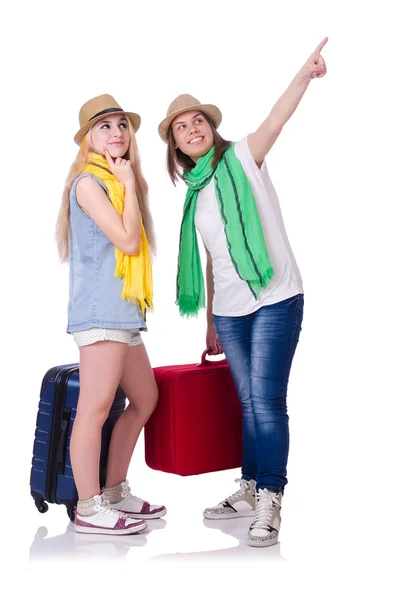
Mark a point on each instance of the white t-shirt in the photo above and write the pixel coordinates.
(232, 296)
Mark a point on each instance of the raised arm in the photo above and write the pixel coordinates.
(263, 139)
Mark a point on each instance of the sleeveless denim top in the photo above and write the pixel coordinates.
(94, 290)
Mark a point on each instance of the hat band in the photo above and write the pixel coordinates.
(106, 112)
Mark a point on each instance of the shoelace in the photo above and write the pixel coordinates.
(128, 493)
(105, 507)
(136, 498)
(240, 492)
(264, 509)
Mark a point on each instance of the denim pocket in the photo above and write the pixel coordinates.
(294, 309)
(298, 299)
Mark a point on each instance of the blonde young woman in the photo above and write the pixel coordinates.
(254, 288)
(105, 231)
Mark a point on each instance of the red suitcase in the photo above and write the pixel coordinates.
(196, 427)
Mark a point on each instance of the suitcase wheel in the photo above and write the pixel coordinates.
(42, 507)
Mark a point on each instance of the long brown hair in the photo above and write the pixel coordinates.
(132, 154)
(178, 162)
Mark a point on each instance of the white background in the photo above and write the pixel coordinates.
(334, 169)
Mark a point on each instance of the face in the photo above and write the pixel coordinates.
(111, 133)
(192, 134)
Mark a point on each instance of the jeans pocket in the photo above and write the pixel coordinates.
(294, 306)
(298, 299)
(299, 310)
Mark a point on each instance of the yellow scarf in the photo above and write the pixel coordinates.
(136, 271)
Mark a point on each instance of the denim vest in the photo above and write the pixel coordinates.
(94, 290)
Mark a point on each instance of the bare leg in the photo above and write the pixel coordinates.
(140, 387)
(101, 366)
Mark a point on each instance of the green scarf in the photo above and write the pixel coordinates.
(243, 230)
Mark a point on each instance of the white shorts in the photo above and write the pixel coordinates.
(132, 337)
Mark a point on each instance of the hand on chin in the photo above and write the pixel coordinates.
(116, 151)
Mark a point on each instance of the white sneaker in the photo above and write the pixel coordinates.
(239, 504)
(136, 507)
(107, 520)
(266, 524)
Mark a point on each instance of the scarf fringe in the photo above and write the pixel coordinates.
(266, 276)
(188, 306)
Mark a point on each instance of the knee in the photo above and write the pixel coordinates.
(95, 410)
(246, 405)
(150, 404)
(270, 408)
(143, 408)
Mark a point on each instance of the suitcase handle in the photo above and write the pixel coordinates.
(61, 450)
(204, 360)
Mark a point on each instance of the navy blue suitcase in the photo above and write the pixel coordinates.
(51, 478)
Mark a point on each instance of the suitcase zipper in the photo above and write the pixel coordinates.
(57, 431)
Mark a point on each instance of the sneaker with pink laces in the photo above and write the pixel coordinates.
(120, 498)
(107, 520)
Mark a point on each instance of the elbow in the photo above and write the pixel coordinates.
(129, 245)
(132, 248)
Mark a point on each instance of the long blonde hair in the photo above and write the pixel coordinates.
(141, 187)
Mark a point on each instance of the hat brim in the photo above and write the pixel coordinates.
(133, 117)
(208, 109)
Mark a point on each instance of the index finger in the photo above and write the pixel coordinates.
(320, 46)
(108, 157)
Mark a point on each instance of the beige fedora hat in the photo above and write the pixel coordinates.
(96, 109)
(184, 103)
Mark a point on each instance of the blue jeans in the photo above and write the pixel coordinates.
(259, 349)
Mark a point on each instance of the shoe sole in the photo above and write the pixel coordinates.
(146, 516)
(262, 544)
(244, 513)
(101, 530)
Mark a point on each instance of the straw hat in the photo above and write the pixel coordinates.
(185, 103)
(96, 109)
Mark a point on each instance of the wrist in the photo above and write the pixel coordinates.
(303, 76)
(129, 185)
